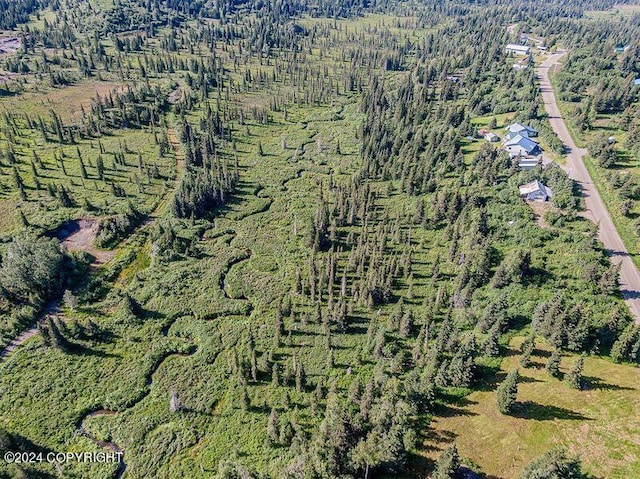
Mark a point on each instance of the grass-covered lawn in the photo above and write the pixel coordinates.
(598, 424)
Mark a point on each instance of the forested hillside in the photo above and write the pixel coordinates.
(264, 239)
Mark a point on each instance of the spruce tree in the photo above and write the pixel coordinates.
(100, 167)
(301, 378)
(448, 464)
(507, 393)
(491, 346)
(245, 402)
(273, 429)
(574, 377)
(526, 349)
(553, 464)
(553, 364)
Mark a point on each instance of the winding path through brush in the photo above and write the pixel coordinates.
(108, 412)
(595, 208)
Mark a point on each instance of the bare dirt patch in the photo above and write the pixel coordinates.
(71, 100)
(80, 235)
(175, 96)
(539, 209)
(9, 45)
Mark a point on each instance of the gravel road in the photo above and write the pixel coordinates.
(595, 208)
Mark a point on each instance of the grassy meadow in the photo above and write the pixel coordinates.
(596, 424)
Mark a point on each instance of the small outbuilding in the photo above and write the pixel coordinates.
(526, 164)
(492, 137)
(535, 191)
(515, 49)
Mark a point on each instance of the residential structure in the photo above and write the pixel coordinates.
(526, 164)
(522, 146)
(523, 130)
(515, 49)
(519, 142)
(535, 191)
(510, 135)
(492, 137)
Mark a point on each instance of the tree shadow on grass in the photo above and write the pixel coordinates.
(541, 353)
(527, 379)
(542, 412)
(597, 383)
(488, 377)
(533, 364)
(417, 464)
(82, 350)
(437, 440)
(454, 406)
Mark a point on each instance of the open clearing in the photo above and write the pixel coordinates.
(598, 424)
(618, 11)
(67, 102)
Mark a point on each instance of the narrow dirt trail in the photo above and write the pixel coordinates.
(174, 142)
(51, 310)
(595, 208)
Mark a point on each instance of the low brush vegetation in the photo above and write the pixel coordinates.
(311, 256)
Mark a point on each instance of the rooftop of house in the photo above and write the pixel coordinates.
(534, 187)
(514, 46)
(526, 130)
(523, 141)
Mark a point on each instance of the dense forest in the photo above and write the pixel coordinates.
(265, 239)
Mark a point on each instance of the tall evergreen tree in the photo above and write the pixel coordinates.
(507, 393)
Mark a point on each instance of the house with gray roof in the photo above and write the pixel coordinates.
(535, 191)
(515, 49)
(522, 146)
(522, 129)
